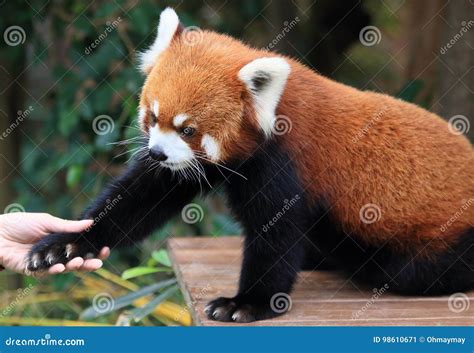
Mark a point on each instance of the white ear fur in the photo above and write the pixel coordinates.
(169, 23)
(266, 79)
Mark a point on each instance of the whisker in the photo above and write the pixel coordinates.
(220, 165)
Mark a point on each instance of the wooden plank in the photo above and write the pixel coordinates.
(209, 267)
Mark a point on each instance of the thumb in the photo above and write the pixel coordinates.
(59, 225)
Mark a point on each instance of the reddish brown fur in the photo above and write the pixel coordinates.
(408, 163)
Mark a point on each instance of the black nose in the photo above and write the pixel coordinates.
(157, 154)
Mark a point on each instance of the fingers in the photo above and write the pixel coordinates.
(92, 265)
(56, 269)
(59, 225)
(104, 253)
(76, 264)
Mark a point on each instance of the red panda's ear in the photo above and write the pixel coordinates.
(265, 79)
(168, 28)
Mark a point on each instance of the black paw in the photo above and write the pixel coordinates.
(239, 310)
(59, 248)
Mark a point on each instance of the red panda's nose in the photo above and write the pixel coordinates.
(157, 154)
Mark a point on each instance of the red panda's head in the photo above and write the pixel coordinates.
(206, 95)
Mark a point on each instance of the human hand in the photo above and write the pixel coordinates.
(19, 231)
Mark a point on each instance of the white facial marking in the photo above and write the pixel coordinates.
(156, 108)
(141, 117)
(179, 119)
(167, 27)
(211, 146)
(172, 145)
(275, 70)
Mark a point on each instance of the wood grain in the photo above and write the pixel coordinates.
(209, 267)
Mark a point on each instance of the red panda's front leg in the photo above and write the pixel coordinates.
(129, 209)
(271, 207)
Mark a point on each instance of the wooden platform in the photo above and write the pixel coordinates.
(209, 267)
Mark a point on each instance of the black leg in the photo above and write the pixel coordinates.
(272, 209)
(128, 210)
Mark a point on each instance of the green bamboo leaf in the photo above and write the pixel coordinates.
(123, 301)
(140, 313)
(161, 256)
(141, 271)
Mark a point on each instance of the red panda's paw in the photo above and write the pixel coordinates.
(238, 310)
(59, 248)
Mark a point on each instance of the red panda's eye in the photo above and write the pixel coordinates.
(187, 131)
(153, 119)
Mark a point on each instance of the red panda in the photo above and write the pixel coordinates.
(319, 174)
